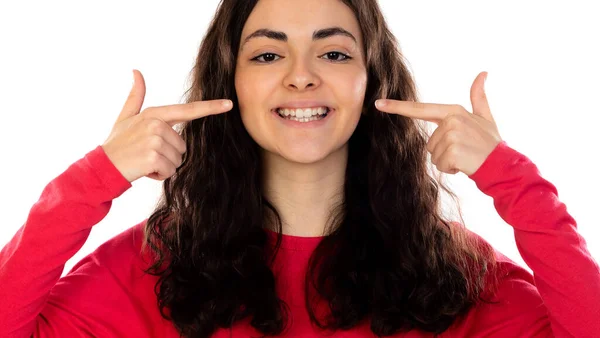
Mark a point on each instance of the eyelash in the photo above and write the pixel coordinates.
(346, 57)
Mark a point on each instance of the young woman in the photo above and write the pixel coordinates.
(303, 207)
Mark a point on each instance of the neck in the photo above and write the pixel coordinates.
(304, 195)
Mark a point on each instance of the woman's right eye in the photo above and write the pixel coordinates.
(267, 57)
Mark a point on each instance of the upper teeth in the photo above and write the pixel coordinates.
(303, 112)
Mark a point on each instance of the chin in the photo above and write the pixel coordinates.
(304, 157)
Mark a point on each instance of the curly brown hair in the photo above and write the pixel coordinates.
(391, 256)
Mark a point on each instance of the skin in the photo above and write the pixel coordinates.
(462, 140)
(304, 167)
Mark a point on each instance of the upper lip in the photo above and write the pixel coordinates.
(303, 104)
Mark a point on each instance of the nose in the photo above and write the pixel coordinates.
(301, 76)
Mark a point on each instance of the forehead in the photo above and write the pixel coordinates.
(300, 18)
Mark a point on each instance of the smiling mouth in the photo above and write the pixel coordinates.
(303, 115)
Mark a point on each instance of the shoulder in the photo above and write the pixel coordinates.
(107, 291)
(504, 269)
(121, 255)
(513, 308)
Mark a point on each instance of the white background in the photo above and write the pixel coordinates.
(65, 71)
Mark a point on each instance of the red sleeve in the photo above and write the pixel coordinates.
(56, 228)
(562, 299)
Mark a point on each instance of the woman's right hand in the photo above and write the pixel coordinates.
(144, 143)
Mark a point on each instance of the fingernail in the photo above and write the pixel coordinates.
(227, 104)
(380, 103)
(485, 79)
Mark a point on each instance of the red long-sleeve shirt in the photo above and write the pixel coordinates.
(107, 295)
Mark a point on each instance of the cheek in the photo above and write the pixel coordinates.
(253, 89)
(351, 88)
(253, 94)
(243, 89)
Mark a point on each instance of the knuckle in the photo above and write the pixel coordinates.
(455, 117)
(154, 157)
(147, 111)
(195, 106)
(453, 136)
(156, 142)
(458, 108)
(454, 120)
(154, 126)
(453, 152)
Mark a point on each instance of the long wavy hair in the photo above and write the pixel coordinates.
(388, 255)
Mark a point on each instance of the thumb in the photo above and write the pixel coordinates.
(134, 101)
(479, 99)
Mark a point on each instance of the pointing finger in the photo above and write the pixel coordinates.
(432, 112)
(178, 113)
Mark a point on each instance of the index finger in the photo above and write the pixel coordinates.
(178, 113)
(432, 112)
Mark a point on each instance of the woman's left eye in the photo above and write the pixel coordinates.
(334, 54)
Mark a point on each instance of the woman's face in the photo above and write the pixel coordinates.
(293, 55)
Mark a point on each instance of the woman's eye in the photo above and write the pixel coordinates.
(334, 56)
(266, 57)
(270, 57)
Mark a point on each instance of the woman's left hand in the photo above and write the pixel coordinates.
(462, 141)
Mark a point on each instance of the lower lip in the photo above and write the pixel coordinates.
(297, 124)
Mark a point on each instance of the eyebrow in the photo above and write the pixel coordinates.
(317, 35)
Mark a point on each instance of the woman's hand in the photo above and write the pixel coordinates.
(144, 143)
(462, 141)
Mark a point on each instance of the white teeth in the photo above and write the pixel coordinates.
(303, 113)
